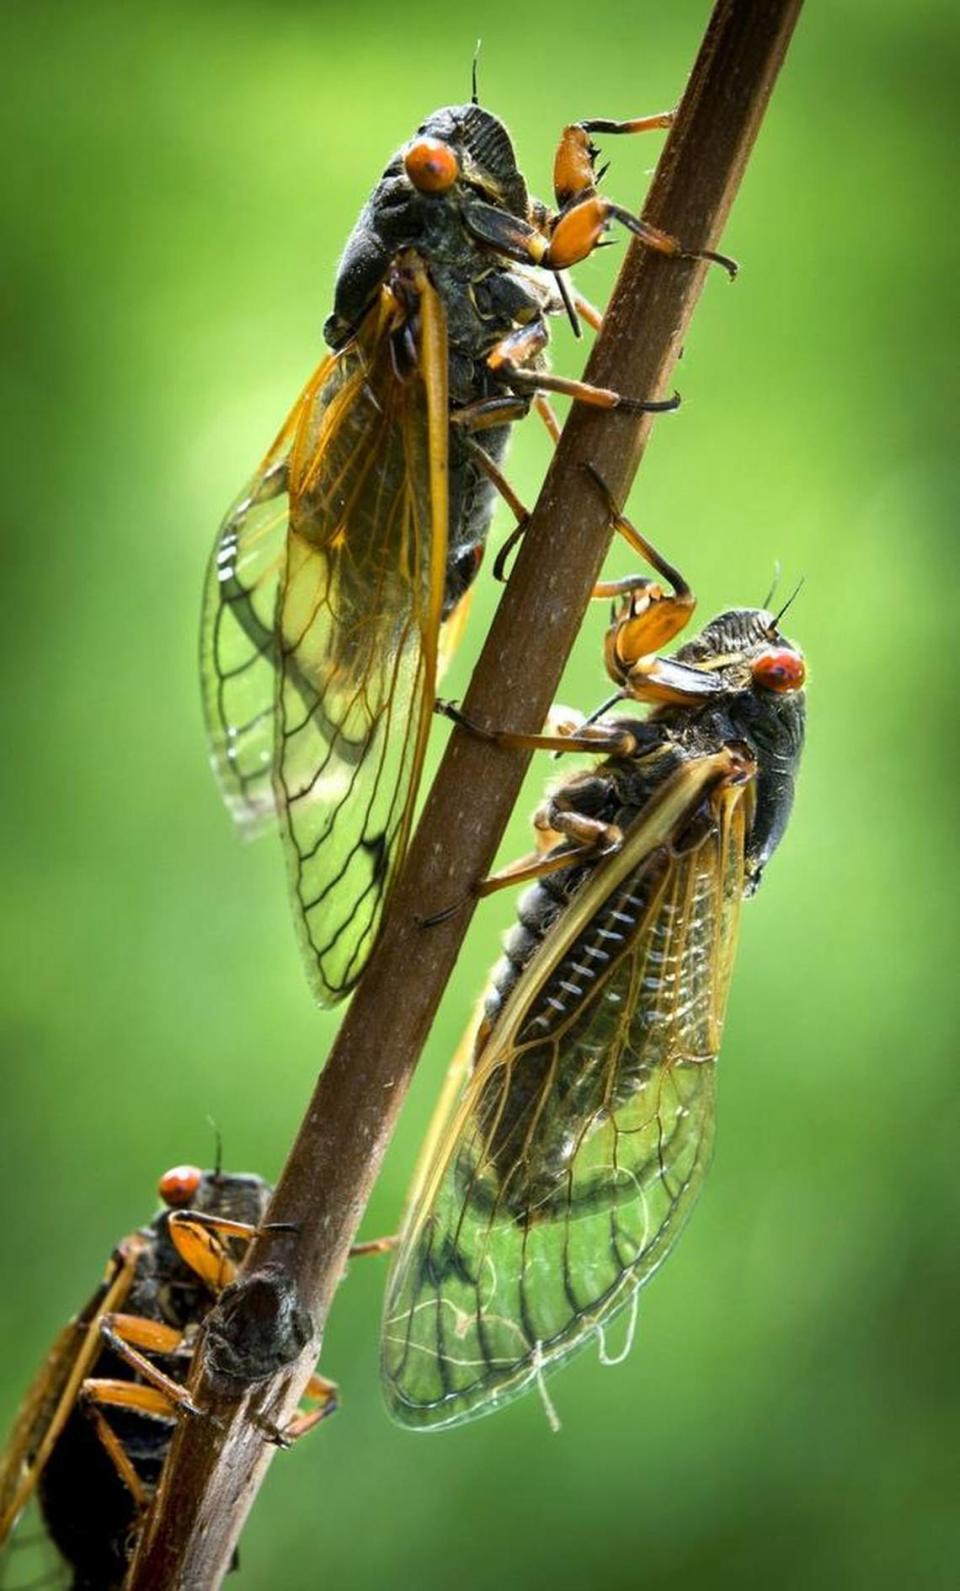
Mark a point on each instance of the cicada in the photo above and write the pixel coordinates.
(339, 579)
(93, 1431)
(559, 1179)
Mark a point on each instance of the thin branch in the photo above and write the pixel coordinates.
(216, 1465)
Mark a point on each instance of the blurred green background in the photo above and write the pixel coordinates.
(178, 180)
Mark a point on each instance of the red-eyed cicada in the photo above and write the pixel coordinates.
(93, 1431)
(556, 1183)
(338, 580)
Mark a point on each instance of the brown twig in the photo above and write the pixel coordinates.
(216, 1465)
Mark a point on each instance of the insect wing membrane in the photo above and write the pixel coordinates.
(322, 628)
(238, 651)
(51, 1395)
(39, 1406)
(359, 620)
(584, 1134)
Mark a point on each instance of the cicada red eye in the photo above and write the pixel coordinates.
(431, 165)
(780, 669)
(178, 1186)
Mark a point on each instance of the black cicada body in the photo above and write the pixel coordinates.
(564, 1173)
(92, 1433)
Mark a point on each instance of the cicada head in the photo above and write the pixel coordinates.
(479, 144)
(461, 147)
(763, 704)
(233, 1196)
(180, 1264)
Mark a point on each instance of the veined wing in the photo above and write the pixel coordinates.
(358, 623)
(19, 1471)
(238, 649)
(50, 1398)
(583, 1136)
(322, 622)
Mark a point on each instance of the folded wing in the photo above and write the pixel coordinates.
(323, 620)
(583, 1136)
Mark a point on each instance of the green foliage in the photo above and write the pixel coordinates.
(177, 183)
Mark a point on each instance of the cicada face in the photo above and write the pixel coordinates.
(763, 704)
(484, 152)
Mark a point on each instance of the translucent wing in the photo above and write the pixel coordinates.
(323, 625)
(18, 1473)
(582, 1138)
(359, 620)
(52, 1394)
(238, 650)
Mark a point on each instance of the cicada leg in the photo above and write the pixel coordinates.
(513, 353)
(544, 408)
(614, 740)
(131, 1337)
(583, 216)
(493, 473)
(680, 605)
(648, 619)
(525, 871)
(374, 1245)
(580, 229)
(574, 164)
(529, 868)
(200, 1242)
(590, 836)
(485, 415)
(591, 839)
(325, 1395)
(653, 616)
(554, 820)
(125, 1395)
(591, 314)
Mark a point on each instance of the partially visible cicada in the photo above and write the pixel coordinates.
(93, 1431)
(339, 578)
(556, 1184)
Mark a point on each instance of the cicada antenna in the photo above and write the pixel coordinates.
(791, 599)
(598, 712)
(218, 1150)
(474, 96)
(773, 588)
